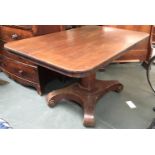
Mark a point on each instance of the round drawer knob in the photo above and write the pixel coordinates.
(14, 36)
(20, 71)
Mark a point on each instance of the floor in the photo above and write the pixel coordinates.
(23, 108)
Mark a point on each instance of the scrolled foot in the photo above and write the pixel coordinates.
(66, 93)
(119, 88)
(50, 100)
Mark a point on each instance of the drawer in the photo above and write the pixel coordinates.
(11, 34)
(19, 69)
(15, 57)
(153, 29)
(153, 37)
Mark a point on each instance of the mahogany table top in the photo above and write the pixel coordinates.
(77, 52)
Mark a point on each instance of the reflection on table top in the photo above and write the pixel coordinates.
(77, 51)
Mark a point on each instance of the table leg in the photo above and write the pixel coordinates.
(87, 92)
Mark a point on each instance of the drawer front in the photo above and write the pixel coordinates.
(12, 34)
(19, 69)
(153, 37)
(153, 29)
(15, 57)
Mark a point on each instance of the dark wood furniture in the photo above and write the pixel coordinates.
(79, 53)
(153, 35)
(18, 68)
(142, 52)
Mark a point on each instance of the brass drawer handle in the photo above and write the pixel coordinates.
(14, 36)
(20, 71)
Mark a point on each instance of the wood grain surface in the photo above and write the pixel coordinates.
(79, 51)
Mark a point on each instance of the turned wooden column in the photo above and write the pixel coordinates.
(88, 83)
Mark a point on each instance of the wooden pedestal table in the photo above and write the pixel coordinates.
(79, 53)
(86, 93)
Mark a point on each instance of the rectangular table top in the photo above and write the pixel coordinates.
(79, 51)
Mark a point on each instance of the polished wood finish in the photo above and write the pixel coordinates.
(45, 29)
(26, 31)
(11, 34)
(140, 28)
(86, 93)
(18, 68)
(79, 53)
(153, 35)
(15, 57)
(142, 52)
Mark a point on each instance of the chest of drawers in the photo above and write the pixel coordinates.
(21, 69)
